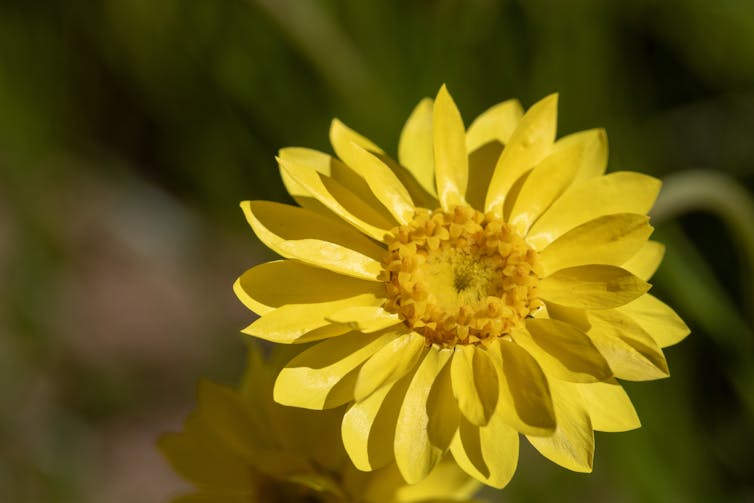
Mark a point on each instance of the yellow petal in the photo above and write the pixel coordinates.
(563, 351)
(415, 453)
(296, 323)
(610, 239)
(572, 444)
(421, 197)
(451, 162)
(572, 315)
(390, 363)
(592, 287)
(593, 159)
(225, 414)
(442, 410)
(620, 192)
(285, 433)
(475, 385)
(646, 261)
(323, 376)
(304, 235)
(497, 123)
(312, 160)
(383, 183)
(482, 163)
(530, 143)
(371, 219)
(657, 319)
(369, 425)
(341, 138)
(329, 168)
(446, 483)
(631, 352)
(487, 453)
(415, 149)
(274, 284)
(608, 406)
(199, 456)
(525, 401)
(485, 139)
(366, 319)
(546, 182)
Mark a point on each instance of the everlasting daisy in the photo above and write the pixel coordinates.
(492, 282)
(241, 447)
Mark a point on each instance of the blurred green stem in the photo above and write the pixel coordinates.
(721, 195)
(693, 284)
(317, 36)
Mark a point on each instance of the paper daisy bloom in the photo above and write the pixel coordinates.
(241, 447)
(489, 283)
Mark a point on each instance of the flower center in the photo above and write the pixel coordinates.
(460, 277)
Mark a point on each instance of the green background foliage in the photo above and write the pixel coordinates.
(130, 130)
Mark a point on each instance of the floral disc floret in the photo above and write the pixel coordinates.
(460, 277)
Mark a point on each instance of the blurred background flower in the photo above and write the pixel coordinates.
(130, 130)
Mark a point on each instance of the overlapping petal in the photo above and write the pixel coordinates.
(449, 142)
(383, 183)
(630, 351)
(369, 217)
(543, 185)
(291, 232)
(424, 423)
(496, 124)
(390, 363)
(610, 240)
(272, 285)
(657, 319)
(475, 384)
(592, 287)
(646, 261)
(564, 351)
(369, 425)
(489, 453)
(416, 147)
(323, 376)
(620, 192)
(525, 401)
(608, 406)
(297, 323)
(572, 444)
(592, 148)
(530, 143)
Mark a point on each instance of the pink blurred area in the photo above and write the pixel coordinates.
(132, 302)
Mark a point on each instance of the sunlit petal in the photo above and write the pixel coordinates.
(572, 444)
(592, 287)
(415, 147)
(323, 376)
(451, 161)
(620, 192)
(611, 240)
(530, 143)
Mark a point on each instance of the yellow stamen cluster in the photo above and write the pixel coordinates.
(460, 277)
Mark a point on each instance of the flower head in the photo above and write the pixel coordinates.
(241, 446)
(491, 282)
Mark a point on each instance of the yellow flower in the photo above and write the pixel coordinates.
(239, 447)
(490, 283)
